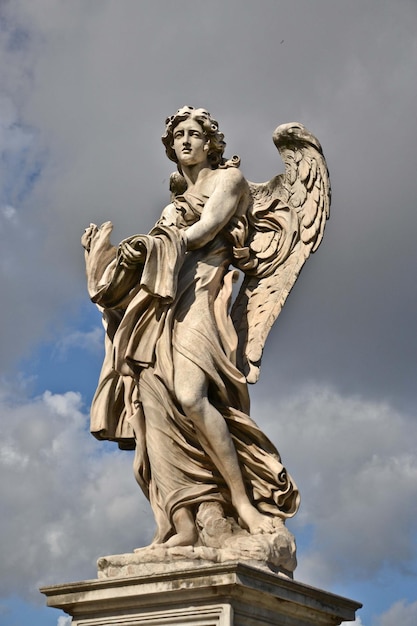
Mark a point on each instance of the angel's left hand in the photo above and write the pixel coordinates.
(88, 236)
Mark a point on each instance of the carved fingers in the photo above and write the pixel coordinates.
(131, 252)
(88, 236)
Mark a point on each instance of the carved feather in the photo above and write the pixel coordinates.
(285, 225)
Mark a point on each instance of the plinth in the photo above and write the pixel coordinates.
(203, 594)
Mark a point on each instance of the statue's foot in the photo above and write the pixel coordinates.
(256, 522)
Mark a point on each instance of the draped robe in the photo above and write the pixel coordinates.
(178, 301)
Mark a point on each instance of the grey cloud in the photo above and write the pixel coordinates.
(86, 89)
(99, 106)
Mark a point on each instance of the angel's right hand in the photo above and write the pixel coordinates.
(130, 256)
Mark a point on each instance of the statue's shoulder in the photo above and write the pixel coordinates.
(231, 176)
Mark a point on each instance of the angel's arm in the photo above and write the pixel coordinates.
(169, 216)
(219, 208)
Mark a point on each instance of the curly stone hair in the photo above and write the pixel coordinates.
(210, 128)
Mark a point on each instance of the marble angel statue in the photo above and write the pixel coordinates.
(178, 359)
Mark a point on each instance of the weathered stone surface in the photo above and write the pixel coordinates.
(174, 379)
(229, 594)
(224, 541)
(272, 552)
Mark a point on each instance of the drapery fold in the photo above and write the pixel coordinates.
(178, 302)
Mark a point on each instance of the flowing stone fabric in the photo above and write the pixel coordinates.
(177, 301)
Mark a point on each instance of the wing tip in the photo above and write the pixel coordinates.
(253, 371)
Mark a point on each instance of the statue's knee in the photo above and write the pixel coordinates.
(191, 405)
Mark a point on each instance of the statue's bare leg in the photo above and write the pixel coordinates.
(191, 387)
(186, 531)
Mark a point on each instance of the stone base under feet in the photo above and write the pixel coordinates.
(199, 594)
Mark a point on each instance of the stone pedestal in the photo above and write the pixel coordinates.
(225, 594)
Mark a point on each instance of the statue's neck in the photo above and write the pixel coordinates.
(196, 174)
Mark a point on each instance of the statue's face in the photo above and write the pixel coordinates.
(190, 144)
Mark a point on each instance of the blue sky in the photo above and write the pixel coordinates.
(85, 88)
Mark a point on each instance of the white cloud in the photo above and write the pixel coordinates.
(400, 613)
(77, 496)
(91, 340)
(355, 463)
(68, 499)
(64, 621)
(357, 622)
(80, 500)
(9, 214)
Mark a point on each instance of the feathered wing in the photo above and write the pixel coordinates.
(285, 224)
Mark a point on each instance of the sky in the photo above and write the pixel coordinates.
(85, 87)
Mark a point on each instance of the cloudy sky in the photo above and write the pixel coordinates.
(85, 87)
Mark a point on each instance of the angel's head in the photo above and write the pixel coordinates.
(210, 128)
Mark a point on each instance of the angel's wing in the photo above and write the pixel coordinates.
(286, 223)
